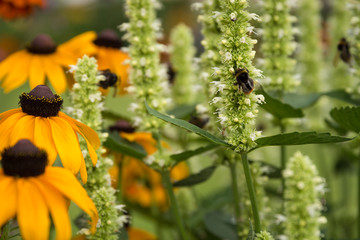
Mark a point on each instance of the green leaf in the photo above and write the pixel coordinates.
(182, 111)
(348, 117)
(197, 178)
(251, 235)
(301, 100)
(277, 108)
(343, 96)
(299, 138)
(221, 225)
(190, 153)
(186, 125)
(339, 129)
(116, 143)
(114, 116)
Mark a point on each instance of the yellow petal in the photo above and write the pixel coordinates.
(81, 44)
(23, 129)
(18, 74)
(8, 64)
(8, 113)
(66, 143)
(33, 214)
(66, 183)
(58, 207)
(83, 172)
(8, 203)
(137, 234)
(145, 139)
(37, 73)
(91, 137)
(56, 75)
(6, 128)
(42, 130)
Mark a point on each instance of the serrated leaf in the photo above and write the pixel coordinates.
(348, 117)
(182, 111)
(115, 143)
(343, 96)
(251, 235)
(186, 125)
(301, 100)
(339, 129)
(299, 138)
(221, 225)
(196, 178)
(277, 108)
(190, 153)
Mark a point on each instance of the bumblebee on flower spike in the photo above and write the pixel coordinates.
(244, 81)
(33, 190)
(40, 120)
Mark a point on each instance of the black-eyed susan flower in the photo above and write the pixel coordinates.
(40, 59)
(11, 9)
(34, 189)
(40, 120)
(140, 183)
(105, 47)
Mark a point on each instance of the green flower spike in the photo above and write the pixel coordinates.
(148, 78)
(303, 189)
(87, 104)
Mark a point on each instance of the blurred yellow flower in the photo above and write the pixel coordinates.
(39, 119)
(139, 234)
(33, 190)
(140, 183)
(105, 47)
(40, 58)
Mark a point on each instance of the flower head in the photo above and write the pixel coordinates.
(41, 58)
(11, 9)
(105, 47)
(40, 120)
(34, 189)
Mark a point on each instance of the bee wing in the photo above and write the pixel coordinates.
(336, 59)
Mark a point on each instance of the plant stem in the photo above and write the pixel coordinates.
(251, 190)
(173, 204)
(235, 190)
(283, 162)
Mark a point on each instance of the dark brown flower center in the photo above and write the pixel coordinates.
(108, 38)
(41, 102)
(24, 160)
(122, 126)
(42, 44)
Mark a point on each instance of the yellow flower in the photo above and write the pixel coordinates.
(11, 9)
(140, 183)
(139, 234)
(105, 47)
(33, 190)
(39, 119)
(40, 58)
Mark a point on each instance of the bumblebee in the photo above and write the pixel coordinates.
(343, 52)
(244, 81)
(110, 79)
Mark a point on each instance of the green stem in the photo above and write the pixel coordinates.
(251, 190)
(283, 162)
(235, 190)
(119, 196)
(173, 204)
